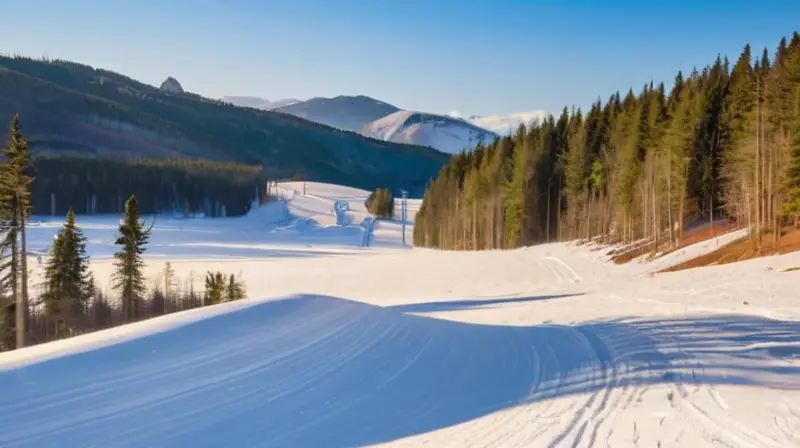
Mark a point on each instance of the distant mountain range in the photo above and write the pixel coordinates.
(349, 113)
(450, 133)
(68, 108)
(258, 103)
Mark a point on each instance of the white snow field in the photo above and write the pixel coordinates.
(343, 345)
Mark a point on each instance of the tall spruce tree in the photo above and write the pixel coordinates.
(739, 125)
(67, 279)
(15, 180)
(792, 181)
(128, 277)
(514, 193)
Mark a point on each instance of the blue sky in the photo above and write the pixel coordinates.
(476, 57)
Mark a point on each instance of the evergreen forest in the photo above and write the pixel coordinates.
(180, 186)
(67, 301)
(722, 144)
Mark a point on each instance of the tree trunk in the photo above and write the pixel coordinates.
(653, 196)
(711, 211)
(559, 209)
(749, 203)
(758, 163)
(499, 223)
(547, 230)
(645, 209)
(20, 306)
(655, 223)
(588, 209)
(475, 224)
(23, 262)
(669, 202)
(490, 228)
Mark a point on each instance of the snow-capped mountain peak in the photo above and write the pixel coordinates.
(445, 133)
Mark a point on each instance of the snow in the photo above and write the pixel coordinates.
(503, 124)
(440, 132)
(345, 345)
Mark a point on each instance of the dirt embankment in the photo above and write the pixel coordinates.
(746, 248)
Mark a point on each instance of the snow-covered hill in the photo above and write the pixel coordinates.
(447, 134)
(349, 113)
(342, 345)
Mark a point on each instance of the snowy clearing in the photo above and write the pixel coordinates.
(345, 345)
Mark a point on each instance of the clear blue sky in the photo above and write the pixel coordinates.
(477, 57)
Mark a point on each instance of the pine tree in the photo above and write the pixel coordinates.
(575, 170)
(169, 279)
(215, 288)
(128, 277)
(514, 191)
(68, 283)
(235, 289)
(15, 180)
(739, 124)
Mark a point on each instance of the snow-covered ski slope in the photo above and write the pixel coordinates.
(341, 345)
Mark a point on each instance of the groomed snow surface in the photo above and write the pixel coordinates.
(349, 339)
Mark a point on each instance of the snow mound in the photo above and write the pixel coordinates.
(269, 213)
(447, 134)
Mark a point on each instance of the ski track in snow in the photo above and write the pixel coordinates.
(345, 345)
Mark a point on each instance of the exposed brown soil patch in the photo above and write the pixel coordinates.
(745, 249)
(691, 236)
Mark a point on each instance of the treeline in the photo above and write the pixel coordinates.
(381, 203)
(69, 302)
(183, 186)
(723, 142)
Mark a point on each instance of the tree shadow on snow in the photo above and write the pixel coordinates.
(317, 371)
(458, 305)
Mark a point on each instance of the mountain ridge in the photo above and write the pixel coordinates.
(349, 112)
(68, 108)
(344, 112)
(259, 103)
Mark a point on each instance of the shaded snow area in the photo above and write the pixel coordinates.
(347, 344)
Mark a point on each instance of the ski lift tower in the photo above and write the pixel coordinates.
(404, 212)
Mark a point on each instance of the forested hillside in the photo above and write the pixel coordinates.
(723, 141)
(70, 108)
